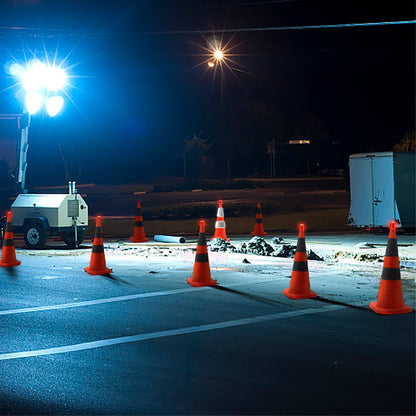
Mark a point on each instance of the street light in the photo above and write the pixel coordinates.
(217, 58)
(218, 54)
(41, 83)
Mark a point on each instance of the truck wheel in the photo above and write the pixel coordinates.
(69, 238)
(35, 235)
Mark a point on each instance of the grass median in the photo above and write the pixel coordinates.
(316, 220)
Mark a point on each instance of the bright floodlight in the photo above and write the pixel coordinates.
(34, 77)
(16, 69)
(38, 76)
(218, 55)
(33, 102)
(54, 105)
(56, 78)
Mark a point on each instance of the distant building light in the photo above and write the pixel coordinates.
(299, 142)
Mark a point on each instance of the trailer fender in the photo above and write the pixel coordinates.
(42, 220)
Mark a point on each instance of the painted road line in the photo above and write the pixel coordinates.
(94, 301)
(167, 333)
(117, 299)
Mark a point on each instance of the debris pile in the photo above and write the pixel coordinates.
(285, 250)
(220, 244)
(259, 247)
(277, 240)
(289, 250)
(340, 255)
(313, 256)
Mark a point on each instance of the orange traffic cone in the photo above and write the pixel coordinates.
(201, 275)
(258, 226)
(97, 262)
(138, 234)
(390, 294)
(8, 254)
(299, 287)
(220, 224)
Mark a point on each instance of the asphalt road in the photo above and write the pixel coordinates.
(145, 342)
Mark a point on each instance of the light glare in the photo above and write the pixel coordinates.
(218, 55)
(16, 69)
(34, 77)
(54, 105)
(33, 102)
(56, 78)
(38, 76)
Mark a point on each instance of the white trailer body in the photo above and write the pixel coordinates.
(58, 209)
(37, 215)
(382, 188)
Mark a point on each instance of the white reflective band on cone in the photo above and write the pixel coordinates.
(219, 224)
(220, 212)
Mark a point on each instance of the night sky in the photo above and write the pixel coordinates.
(138, 91)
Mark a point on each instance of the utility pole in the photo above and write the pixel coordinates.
(271, 150)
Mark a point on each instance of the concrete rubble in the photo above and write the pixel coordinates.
(259, 246)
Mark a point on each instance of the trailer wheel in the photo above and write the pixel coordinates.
(35, 235)
(69, 238)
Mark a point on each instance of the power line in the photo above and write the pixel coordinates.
(277, 28)
(252, 3)
(71, 32)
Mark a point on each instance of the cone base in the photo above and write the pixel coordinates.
(308, 295)
(10, 264)
(135, 240)
(210, 282)
(222, 238)
(98, 272)
(258, 234)
(390, 311)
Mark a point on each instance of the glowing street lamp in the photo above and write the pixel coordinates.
(218, 54)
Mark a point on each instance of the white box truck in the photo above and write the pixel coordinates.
(37, 215)
(382, 188)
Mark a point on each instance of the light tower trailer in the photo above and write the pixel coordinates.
(40, 215)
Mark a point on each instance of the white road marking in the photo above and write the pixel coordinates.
(94, 301)
(167, 333)
(118, 299)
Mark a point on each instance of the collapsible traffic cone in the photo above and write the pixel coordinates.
(201, 275)
(299, 287)
(220, 224)
(138, 234)
(97, 262)
(8, 254)
(258, 226)
(390, 294)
